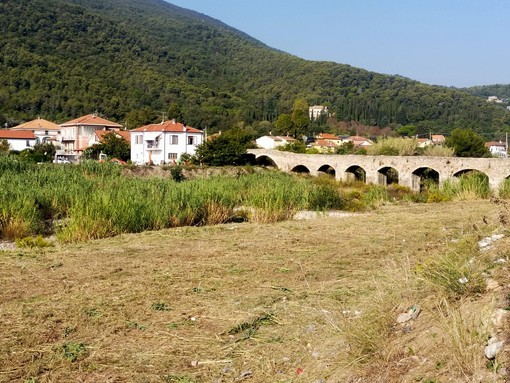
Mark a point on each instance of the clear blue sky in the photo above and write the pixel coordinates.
(444, 42)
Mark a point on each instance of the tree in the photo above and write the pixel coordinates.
(407, 131)
(467, 143)
(112, 145)
(297, 146)
(283, 124)
(300, 118)
(227, 149)
(4, 147)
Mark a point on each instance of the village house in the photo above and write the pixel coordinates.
(78, 134)
(438, 139)
(18, 139)
(44, 130)
(163, 143)
(497, 148)
(272, 142)
(423, 142)
(360, 142)
(325, 146)
(330, 138)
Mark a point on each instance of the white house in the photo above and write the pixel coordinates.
(272, 142)
(77, 134)
(497, 149)
(19, 139)
(316, 111)
(163, 143)
(44, 130)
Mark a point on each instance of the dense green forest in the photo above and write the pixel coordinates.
(134, 60)
(500, 90)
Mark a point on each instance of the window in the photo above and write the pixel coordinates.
(174, 139)
(139, 139)
(191, 140)
(45, 132)
(172, 156)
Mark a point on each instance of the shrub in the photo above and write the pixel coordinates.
(32, 242)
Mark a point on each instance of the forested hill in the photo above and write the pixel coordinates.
(502, 91)
(131, 60)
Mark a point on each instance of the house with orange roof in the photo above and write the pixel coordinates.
(19, 139)
(163, 143)
(77, 134)
(360, 142)
(325, 146)
(329, 137)
(44, 130)
(438, 139)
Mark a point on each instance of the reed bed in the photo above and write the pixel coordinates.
(92, 200)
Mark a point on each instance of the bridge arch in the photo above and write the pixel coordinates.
(302, 169)
(265, 161)
(355, 173)
(468, 172)
(424, 177)
(387, 176)
(327, 169)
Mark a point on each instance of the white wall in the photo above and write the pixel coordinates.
(162, 147)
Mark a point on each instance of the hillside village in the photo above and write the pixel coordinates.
(165, 142)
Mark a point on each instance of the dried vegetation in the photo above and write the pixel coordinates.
(307, 301)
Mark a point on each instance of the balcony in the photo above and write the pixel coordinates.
(152, 146)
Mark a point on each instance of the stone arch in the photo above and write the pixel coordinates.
(387, 176)
(327, 169)
(300, 169)
(355, 173)
(424, 177)
(265, 161)
(465, 172)
(481, 182)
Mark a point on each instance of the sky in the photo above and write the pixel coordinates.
(442, 42)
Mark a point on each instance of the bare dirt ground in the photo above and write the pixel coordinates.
(251, 302)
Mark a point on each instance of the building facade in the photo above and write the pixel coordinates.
(163, 143)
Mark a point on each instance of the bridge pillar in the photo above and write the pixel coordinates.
(373, 177)
(408, 181)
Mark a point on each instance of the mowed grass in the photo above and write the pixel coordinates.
(294, 301)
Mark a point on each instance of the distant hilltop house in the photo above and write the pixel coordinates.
(272, 142)
(494, 100)
(45, 131)
(80, 133)
(18, 139)
(316, 111)
(497, 148)
(163, 143)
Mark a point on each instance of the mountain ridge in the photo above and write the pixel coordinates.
(134, 60)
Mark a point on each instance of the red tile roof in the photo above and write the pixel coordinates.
(38, 124)
(327, 136)
(495, 143)
(167, 126)
(91, 119)
(325, 143)
(17, 134)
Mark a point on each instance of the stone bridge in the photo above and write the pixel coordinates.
(410, 171)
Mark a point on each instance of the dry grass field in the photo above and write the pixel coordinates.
(298, 301)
